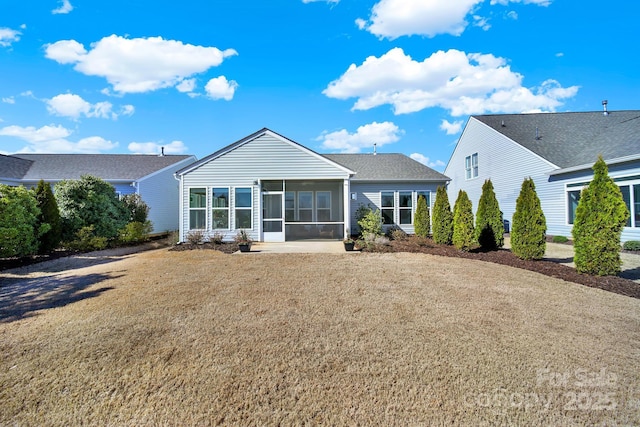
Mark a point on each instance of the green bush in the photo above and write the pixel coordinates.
(559, 239)
(442, 218)
(86, 240)
(528, 238)
(396, 233)
(600, 216)
(135, 232)
(631, 245)
(19, 227)
(49, 214)
(371, 223)
(136, 209)
(422, 222)
(463, 231)
(489, 226)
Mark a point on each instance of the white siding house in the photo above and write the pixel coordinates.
(149, 176)
(556, 150)
(277, 190)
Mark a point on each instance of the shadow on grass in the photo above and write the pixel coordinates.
(631, 274)
(21, 298)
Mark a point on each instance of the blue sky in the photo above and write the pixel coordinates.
(80, 76)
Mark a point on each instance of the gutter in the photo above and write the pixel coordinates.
(615, 161)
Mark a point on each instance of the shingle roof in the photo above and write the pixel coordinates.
(106, 166)
(386, 167)
(571, 139)
(12, 167)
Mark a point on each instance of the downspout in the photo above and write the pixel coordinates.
(180, 208)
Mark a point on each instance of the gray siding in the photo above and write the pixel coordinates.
(161, 192)
(369, 194)
(266, 157)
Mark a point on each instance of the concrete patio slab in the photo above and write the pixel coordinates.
(300, 247)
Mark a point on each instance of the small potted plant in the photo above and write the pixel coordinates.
(243, 240)
(349, 243)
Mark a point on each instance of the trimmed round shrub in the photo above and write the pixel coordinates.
(631, 245)
(559, 239)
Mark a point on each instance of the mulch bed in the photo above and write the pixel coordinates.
(227, 248)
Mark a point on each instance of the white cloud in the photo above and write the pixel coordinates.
(482, 22)
(513, 15)
(187, 85)
(64, 8)
(426, 161)
(461, 83)
(175, 147)
(364, 137)
(8, 36)
(53, 139)
(451, 128)
(9, 100)
(396, 18)
(220, 88)
(140, 64)
(73, 106)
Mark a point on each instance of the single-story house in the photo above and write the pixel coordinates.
(557, 150)
(278, 190)
(150, 176)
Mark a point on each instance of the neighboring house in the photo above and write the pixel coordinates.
(150, 176)
(557, 150)
(278, 190)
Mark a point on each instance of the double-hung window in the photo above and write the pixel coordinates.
(197, 208)
(387, 203)
(305, 206)
(243, 208)
(405, 206)
(323, 206)
(471, 166)
(220, 208)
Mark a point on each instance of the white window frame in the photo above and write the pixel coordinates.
(318, 209)
(392, 208)
(471, 166)
(621, 181)
(305, 209)
(198, 209)
(406, 208)
(214, 208)
(237, 208)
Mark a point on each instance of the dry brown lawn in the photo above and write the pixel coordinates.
(199, 338)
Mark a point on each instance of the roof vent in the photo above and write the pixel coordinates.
(537, 133)
(375, 151)
(604, 107)
(161, 151)
(503, 125)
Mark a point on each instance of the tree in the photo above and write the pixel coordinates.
(463, 231)
(600, 216)
(489, 225)
(422, 222)
(442, 218)
(136, 208)
(89, 201)
(49, 214)
(19, 229)
(528, 232)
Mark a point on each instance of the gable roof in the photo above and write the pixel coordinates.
(253, 136)
(110, 167)
(571, 139)
(386, 167)
(13, 167)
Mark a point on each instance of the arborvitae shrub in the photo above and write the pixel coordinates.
(422, 221)
(442, 218)
(600, 216)
(49, 214)
(463, 231)
(528, 238)
(489, 225)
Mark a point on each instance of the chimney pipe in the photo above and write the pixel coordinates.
(604, 106)
(161, 151)
(375, 151)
